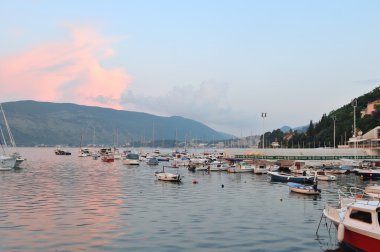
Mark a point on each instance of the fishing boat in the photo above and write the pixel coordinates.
(285, 177)
(167, 176)
(304, 189)
(357, 223)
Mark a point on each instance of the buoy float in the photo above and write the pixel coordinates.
(195, 182)
(340, 235)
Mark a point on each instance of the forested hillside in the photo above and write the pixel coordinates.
(321, 133)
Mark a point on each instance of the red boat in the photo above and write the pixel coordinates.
(358, 223)
(108, 158)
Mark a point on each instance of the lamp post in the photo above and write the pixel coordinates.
(334, 118)
(263, 115)
(355, 104)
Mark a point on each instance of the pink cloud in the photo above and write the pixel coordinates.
(65, 71)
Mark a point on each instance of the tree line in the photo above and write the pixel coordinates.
(321, 133)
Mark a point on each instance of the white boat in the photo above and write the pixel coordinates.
(116, 154)
(373, 192)
(324, 176)
(260, 169)
(304, 189)
(131, 159)
(357, 223)
(218, 166)
(84, 152)
(7, 163)
(19, 159)
(167, 176)
(241, 168)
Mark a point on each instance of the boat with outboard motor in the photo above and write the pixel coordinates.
(286, 177)
(304, 189)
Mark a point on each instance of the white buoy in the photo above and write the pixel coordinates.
(340, 235)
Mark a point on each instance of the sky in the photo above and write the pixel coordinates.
(219, 62)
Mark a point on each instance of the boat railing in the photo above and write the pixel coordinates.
(352, 194)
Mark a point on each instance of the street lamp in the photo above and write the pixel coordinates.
(263, 115)
(334, 118)
(355, 104)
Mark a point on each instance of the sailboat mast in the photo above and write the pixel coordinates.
(8, 128)
(2, 134)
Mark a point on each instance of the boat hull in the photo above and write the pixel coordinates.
(356, 241)
(7, 163)
(369, 175)
(165, 176)
(131, 162)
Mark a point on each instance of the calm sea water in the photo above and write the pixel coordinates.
(67, 203)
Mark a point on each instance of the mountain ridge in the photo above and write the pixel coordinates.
(48, 123)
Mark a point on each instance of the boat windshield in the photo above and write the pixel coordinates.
(361, 216)
(133, 156)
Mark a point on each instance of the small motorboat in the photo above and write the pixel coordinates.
(357, 224)
(241, 168)
(108, 158)
(132, 159)
(304, 189)
(167, 176)
(61, 152)
(285, 177)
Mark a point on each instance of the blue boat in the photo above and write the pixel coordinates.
(286, 177)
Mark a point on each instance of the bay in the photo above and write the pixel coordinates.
(68, 203)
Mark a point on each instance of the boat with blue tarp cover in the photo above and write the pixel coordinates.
(304, 189)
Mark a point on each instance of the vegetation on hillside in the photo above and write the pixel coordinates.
(321, 134)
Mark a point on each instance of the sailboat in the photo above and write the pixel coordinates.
(14, 160)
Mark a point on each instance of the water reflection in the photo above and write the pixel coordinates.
(71, 203)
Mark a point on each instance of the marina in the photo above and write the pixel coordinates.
(69, 203)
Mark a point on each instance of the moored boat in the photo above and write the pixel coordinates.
(167, 176)
(59, 151)
(369, 174)
(373, 191)
(108, 158)
(131, 159)
(241, 168)
(357, 224)
(7, 163)
(285, 177)
(304, 189)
